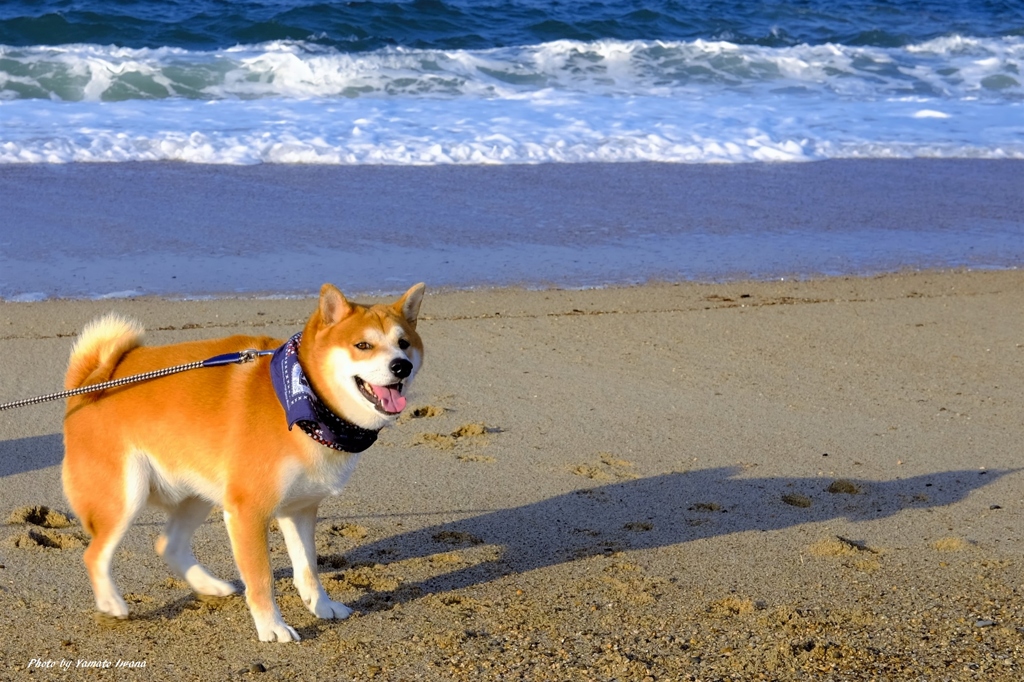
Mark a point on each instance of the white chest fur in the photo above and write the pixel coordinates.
(326, 474)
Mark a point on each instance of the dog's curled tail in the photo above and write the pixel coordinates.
(99, 348)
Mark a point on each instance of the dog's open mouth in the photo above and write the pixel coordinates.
(387, 399)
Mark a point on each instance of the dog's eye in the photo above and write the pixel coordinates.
(363, 345)
(403, 344)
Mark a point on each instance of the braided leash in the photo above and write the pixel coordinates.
(241, 357)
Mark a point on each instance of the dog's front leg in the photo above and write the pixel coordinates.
(298, 527)
(248, 530)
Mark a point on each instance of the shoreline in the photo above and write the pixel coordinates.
(682, 481)
(371, 295)
(91, 230)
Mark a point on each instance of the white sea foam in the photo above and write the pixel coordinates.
(722, 128)
(30, 297)
(954, 66)
(564, 101)
(114, 295)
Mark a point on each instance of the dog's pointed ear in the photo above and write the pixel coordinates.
(409, 305)
(334, 307)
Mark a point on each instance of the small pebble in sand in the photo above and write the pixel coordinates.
(639, 526)
(844, 486)
(452, 537)
(796, 500)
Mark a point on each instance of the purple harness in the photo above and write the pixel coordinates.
(303, 407)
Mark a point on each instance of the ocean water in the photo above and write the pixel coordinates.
(109, 230)
(427, 82)
(306, 125)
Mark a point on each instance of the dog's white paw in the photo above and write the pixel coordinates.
(204, 583)
(112, 605)
(330, 610)
(276, 630)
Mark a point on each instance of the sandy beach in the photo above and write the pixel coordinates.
(743, 481)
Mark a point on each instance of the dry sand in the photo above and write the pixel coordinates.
(744, 481)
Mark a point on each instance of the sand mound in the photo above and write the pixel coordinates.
(40, 515)
(47, 539)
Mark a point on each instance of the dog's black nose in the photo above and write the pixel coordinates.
(400, 367)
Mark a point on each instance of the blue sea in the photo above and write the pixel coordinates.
(262, 147)
(428, 82)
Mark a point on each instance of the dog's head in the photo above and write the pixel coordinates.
(361, 359)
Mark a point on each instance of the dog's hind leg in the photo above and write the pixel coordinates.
(175, 546)
(298, 527)
(107, 518)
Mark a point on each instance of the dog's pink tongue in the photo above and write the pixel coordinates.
(392, 400)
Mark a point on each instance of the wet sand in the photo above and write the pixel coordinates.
(89, 230)
(752, 480)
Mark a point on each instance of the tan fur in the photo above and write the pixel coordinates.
(219, 436)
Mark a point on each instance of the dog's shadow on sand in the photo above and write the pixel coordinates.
(28, 454)
(637, 514)
(649, 513)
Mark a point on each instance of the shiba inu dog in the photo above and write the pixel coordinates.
(224, 435)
